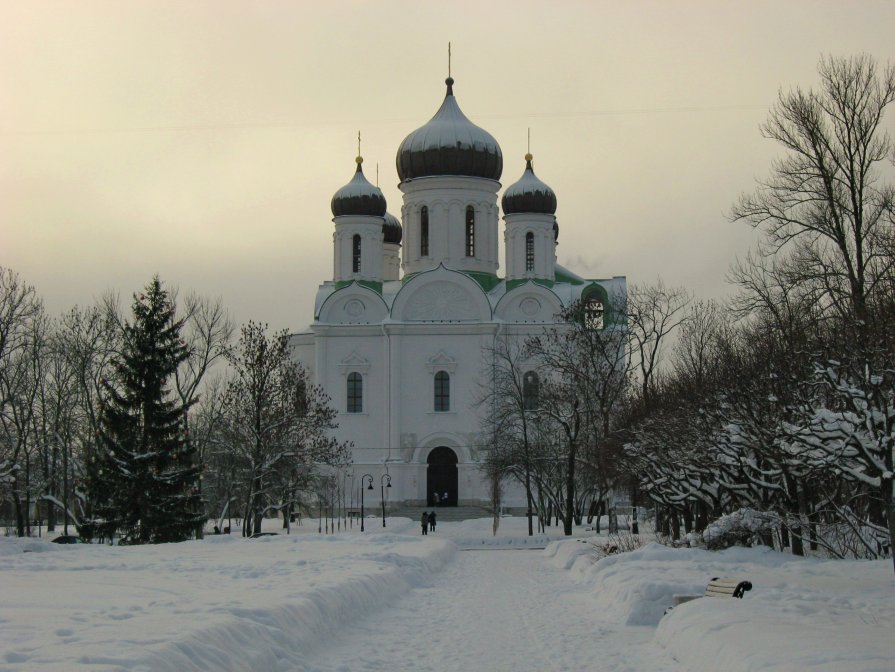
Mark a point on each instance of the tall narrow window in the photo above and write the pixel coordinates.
(355, 393)
(530, 391)
(529, 251)
(355, 254)
(470, 231)
(424, 232)
(442, 392)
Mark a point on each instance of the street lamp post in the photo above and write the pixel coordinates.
(370, 487)
(382, 486)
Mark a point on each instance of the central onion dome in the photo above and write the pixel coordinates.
(529, 194)
(450, 144)
(358, 197)
(391, 229)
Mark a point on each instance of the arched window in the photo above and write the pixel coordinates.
(442, 392)
(470, 231)
(529, 251)
(424, 232)
(355, 254)
(530, 391)
(355, 393)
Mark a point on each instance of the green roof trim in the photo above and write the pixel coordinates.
(512, 284)
(568, 279)
(487, 281)
(369, 284)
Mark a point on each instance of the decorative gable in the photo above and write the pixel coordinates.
(354, 362)
(441, 362)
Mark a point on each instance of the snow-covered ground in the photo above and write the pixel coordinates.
(395, 600)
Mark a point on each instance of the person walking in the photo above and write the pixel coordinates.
(424, 521)
(431, 521)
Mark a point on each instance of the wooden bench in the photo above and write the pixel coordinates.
(717, 587)
(727, 588)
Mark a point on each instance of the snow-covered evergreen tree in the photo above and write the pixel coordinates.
(145, 481)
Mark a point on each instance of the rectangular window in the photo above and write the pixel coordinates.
(470, 231)
(355, 393)
(355, 264)
(424, 232)
(529, 251)
(442, 392)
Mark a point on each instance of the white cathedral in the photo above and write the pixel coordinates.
(400, 331)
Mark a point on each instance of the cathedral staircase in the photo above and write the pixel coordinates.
(443, 514)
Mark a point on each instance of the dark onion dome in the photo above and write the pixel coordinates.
(450, 144)
(529, 194)
(358, 197)
(391, 229)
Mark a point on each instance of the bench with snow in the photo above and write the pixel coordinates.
(717, 588)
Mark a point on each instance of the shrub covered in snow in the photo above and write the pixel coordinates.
(621, 542)
(739, 528)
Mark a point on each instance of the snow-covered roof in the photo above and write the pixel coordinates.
(449, 144)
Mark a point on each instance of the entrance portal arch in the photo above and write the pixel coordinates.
(441, 477)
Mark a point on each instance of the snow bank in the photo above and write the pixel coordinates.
(830, 616)
(635, 587)
(225, 603)
(826, 616)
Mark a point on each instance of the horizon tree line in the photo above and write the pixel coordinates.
(114, 426)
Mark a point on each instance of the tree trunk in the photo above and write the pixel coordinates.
(528, 497)
(887, 490)
(17, 503)
(688, 518)
(701, 516)
(798, 530)
(570, 494)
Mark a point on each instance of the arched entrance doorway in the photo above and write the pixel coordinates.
(441, 477)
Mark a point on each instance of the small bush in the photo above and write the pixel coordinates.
(740, 528)
(620, 542)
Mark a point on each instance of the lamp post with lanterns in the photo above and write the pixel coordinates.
(386, 479)
(363, 481)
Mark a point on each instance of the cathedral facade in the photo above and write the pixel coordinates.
(401, 332)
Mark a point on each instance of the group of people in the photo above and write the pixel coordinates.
(427, 521)
(440, 499)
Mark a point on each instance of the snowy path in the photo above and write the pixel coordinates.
(492, 611)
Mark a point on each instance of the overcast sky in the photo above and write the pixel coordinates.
(204, 140)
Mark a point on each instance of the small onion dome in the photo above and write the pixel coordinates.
(450, 144)
(358, 197)
(391, 229)
(529, 194)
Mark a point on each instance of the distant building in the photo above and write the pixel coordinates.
(400, 331)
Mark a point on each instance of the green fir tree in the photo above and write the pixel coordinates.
(145, 482)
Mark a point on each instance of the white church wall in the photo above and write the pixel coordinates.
(529, 304)
(303, 352)
(441, 295)
(354, 304)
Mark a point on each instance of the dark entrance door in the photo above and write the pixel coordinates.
(441, 477)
